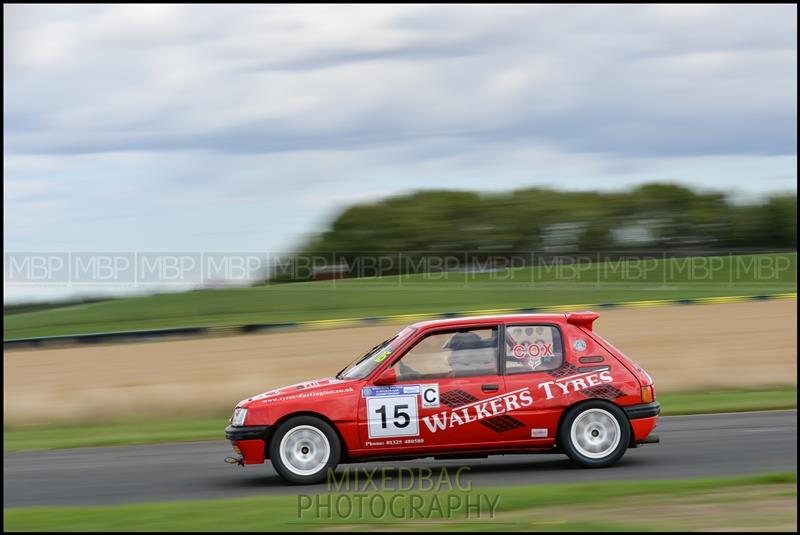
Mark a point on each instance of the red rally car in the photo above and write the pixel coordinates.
(463, 387)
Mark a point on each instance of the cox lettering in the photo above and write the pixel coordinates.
(538, 349)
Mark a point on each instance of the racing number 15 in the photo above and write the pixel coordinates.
(392, 416)
(398, 413)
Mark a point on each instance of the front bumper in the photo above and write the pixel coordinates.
(250, 442)
(247, 432)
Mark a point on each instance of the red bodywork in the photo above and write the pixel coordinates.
(496, 421)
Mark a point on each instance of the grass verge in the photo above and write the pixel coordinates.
(728, 400)
(152, 431)
(542, 286)
(755, 502)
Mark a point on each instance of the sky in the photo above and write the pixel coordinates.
(244, 128)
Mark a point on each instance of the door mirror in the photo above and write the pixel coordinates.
(387, 377)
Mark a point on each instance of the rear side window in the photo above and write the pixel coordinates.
(533, 348)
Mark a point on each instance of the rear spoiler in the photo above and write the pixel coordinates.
(582, 319)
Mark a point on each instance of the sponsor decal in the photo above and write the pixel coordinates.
(395, 442)
(579, 345)
(392, 416)
(575, 383)
(259, 396)
(399, 390)
(539, 349)
(538, 433)
(429, 396)
(317, 382)
(603, 391)
(563, 371)
(533, 353)
(308, 395)
(502, 423)
(479, 410)
(380, 357)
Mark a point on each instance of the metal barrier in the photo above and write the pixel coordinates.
(98, 338)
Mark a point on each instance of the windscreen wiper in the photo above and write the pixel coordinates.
(365, 355)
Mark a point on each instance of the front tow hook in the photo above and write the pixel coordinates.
(234, 460)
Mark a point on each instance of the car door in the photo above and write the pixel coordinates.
(447, 396)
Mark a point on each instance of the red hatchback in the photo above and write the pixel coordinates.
(465, 387)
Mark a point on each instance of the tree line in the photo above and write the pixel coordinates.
(666, 218)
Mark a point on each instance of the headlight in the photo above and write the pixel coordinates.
(239, 414)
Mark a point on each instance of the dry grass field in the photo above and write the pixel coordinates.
(686, 347)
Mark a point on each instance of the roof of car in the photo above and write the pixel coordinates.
(490, 319)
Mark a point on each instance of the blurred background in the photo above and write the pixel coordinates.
(197, 196)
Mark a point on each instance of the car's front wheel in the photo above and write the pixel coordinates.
(303, 448)
(595, 434)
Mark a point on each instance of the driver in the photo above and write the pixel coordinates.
(469, 355)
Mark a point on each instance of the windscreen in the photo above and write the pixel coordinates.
(366, 364)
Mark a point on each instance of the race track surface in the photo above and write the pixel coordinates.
(691, 446)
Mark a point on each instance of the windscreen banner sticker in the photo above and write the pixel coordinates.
(430, 396)
(400, 390)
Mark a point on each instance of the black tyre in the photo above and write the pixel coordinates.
(595, 434)
(303, 448)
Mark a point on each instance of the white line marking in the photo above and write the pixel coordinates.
(724, 413)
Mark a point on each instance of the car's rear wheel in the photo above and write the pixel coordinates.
(595, 434)
(303, 448)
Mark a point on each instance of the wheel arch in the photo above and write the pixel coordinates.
(568, 408)
(289, 416)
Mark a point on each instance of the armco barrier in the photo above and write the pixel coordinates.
(156, 334)
(98, 338)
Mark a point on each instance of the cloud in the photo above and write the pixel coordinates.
(132, 127)
(669, 80)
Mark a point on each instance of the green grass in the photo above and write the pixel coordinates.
(730, 400)
(584, 283)
(603, 506)
(133, 431)
(149, 431)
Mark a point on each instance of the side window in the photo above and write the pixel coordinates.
(533, 348)
(463, 353)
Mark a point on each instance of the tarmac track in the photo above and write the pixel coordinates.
(691, 446)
